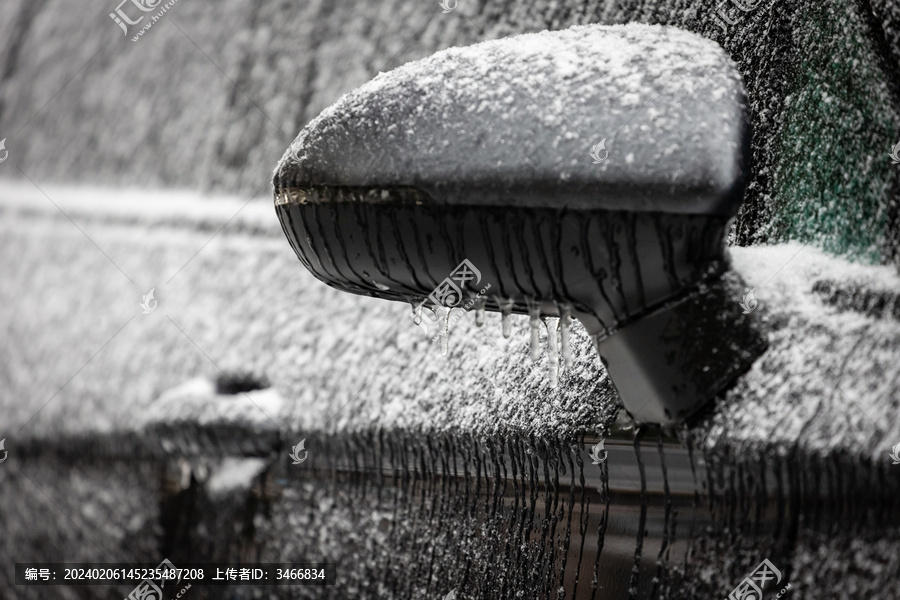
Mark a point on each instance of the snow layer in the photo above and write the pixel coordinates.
(830, 377)
(526, 111)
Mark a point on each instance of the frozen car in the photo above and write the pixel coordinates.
(178, 386)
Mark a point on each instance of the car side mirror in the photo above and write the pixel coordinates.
(590, 172)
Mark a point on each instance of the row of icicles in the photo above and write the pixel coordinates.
(558, 330)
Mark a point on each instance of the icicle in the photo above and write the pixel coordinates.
(565, 321)
(535, 313)
(553, 353)
(505, 312)
(445, 334)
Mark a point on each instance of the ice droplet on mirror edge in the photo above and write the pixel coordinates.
(505, 312)
(535, 314)
(479, 315)
(565, 321)
(553, 353)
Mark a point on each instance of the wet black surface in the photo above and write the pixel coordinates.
(610, 266)
(413, 516)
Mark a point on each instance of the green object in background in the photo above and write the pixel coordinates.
(833, 175)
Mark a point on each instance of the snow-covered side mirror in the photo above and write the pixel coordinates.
(590, 172)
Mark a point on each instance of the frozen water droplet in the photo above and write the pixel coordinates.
(479, 315)
(565, 322)
(535, 314)
(505, 311)
(553, 354)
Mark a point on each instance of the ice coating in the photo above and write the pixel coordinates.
(535, 325)
(552, 352)
(565, 349)
(489, 122)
